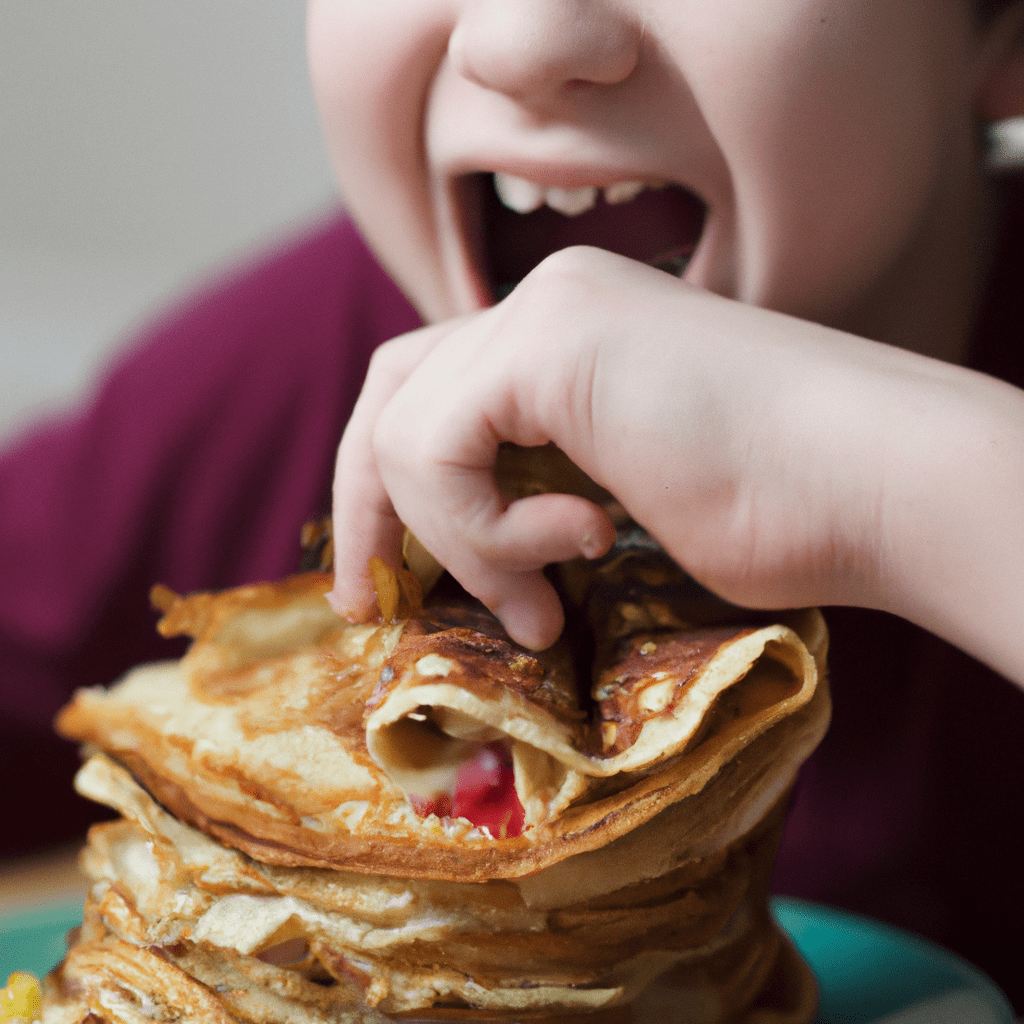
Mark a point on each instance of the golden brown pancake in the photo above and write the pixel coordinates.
(287, 733)
(400, 945)
(279, 857)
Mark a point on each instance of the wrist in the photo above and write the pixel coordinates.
(950, 553)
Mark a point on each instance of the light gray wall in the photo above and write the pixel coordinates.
(142, 143)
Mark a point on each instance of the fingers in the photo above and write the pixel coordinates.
(540, 530)
(420, 450)
(435, 444)
(498, 554)
(364, 520)
(546, 528)
(531, 612)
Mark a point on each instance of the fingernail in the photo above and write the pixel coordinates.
(340, 607)
(534, 640)
(346, 609)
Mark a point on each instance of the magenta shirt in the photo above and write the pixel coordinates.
(203, 451)
(212, 441)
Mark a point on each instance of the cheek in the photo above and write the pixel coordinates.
(838, 141)
(371, 65)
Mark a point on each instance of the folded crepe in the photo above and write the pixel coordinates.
(297, 842)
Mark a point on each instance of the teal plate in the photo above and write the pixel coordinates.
(35, 941)
(868, 973)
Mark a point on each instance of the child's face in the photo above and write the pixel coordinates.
(830, 143)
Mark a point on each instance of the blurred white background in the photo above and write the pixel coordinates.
(143, 143)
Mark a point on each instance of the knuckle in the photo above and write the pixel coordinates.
(491, 587)
(568, 280)
(389, 436)
(389, 363)
(573, 267)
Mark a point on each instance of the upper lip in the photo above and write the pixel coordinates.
(550, 175)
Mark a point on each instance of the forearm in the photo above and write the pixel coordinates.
(951, 551)
(863, 475)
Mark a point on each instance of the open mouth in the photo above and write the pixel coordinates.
(657, 225)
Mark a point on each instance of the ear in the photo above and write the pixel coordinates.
(1000, 68)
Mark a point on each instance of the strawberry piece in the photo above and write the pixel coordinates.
(485, 792)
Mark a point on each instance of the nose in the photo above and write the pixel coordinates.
(533, 50)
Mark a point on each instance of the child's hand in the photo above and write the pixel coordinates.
(658, 391)
(780, 462)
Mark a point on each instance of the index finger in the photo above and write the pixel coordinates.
(365, 523)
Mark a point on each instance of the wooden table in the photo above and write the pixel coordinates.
(29, 882)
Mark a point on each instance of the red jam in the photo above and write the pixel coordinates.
(485, 793)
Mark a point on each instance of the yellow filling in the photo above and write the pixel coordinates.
(21, 999)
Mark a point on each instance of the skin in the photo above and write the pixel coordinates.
(788, 420)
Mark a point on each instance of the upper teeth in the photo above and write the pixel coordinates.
(525, 196)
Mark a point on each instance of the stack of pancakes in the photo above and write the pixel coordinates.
(288, 851)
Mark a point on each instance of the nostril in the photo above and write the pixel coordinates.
(536, 49)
